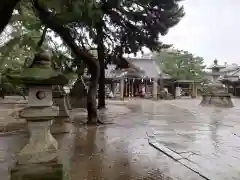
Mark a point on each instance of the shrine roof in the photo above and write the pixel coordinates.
(148, 66)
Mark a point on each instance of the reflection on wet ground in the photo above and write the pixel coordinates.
(203, 141)
(205, 138)
(117, 151)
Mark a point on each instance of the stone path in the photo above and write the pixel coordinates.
(9, 107)
(8, 122)
(115, 152)
(189, 142)
(206, 140)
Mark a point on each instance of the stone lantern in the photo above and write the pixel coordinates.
(39, 113)
(216, 94)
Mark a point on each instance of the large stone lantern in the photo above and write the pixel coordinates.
(39, 113)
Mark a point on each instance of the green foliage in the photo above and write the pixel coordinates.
(125, 26)
(181, 65)
(140, 23)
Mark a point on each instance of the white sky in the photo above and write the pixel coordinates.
(210, 29)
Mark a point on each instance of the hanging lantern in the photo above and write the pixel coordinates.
(142, 80)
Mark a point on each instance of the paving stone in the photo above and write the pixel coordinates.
(212, 135)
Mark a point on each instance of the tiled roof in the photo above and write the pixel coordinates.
(148, 66)
(141, 68)
(230, 76)
(112, 73)
(230, 68)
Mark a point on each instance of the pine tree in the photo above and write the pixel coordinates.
(115, 27)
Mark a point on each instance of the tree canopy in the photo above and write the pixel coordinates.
(115, 27)
(181, 65)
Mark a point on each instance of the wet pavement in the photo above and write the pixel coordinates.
(189, 142)
(204, 139)
(117, 151)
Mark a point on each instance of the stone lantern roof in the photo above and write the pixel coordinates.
(215, 65)
(39, 72)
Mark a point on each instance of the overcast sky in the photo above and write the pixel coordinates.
(210, 29)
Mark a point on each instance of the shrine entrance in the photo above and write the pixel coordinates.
(134, 87)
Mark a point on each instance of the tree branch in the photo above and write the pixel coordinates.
(52, 22)
(42, 37)
(6, 10)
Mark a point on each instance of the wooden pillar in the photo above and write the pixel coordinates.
(126, 87)
(145, 83)
(129, 88)
(122, 88)
(235, 92)
(173, 90)
(132, 87)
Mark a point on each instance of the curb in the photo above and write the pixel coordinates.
(176, 157)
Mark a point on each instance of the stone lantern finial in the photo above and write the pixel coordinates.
(215, 62)
(42, 59)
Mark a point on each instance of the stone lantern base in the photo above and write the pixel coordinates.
(217, 99)
(42, 146)
(38, 159)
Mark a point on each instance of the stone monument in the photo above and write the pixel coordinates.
(60, 99)
(216, 94)
(38, 159)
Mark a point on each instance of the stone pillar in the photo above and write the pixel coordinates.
(122, 88)
(155, 88)
(177, 92)
(161, 82)
(194, 90)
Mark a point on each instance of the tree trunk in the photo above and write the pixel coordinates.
(101, 58)
(6, 10)
(92, 95)
(93, 65)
